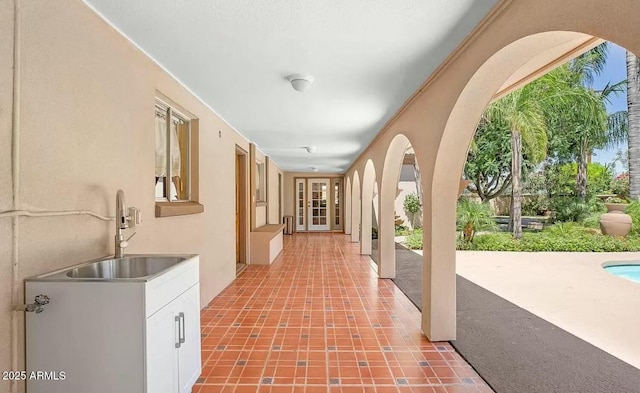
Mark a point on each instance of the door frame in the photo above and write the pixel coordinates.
(327, 208)
(242, 202)
(294, 191)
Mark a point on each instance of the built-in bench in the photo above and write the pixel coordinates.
(266, 243)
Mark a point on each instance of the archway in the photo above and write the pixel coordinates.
(368, 180)
(509, 68)
(388, 191)
(355, 208)
(347, 207)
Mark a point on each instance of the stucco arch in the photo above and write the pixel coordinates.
(388, 192)
(368, 181)
(513, 60)
(355, 208)
(347, 206)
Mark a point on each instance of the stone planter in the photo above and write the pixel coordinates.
(615, 222)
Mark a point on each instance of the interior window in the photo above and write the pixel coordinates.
(261, 194)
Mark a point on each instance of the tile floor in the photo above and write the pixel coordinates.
(319, 320)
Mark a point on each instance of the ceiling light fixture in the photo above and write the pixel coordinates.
(310, 149)
(314, 169)
(300, 82)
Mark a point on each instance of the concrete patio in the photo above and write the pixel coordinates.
(570, 290)
(495, 334)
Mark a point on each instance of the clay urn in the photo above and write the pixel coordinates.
(615, 222)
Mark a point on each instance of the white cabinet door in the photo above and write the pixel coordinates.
(189, 354)
(161, 351)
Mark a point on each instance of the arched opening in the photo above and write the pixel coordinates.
(368, 181)
(347, 207)
(504, 72)
(355, 208)
(388, 193)
(375, 223)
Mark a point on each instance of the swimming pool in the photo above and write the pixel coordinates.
(630, 272)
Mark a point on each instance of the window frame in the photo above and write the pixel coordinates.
(165, 207)
(261, 183)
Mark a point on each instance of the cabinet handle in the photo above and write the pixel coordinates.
(182, 338)
(177, 319)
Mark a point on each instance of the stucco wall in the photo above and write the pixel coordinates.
(86, 130)
(274, 195)
(6, 195)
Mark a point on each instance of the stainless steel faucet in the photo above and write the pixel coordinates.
(125, 218)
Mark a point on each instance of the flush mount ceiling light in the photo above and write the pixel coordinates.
(300, 82)
(314, 169)
(310, 149)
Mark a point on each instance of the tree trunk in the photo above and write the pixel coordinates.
(633, 103)
(515, 219)
(581, 177)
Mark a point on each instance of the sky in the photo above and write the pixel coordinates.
(615, 71)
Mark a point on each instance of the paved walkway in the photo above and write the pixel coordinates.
(515, 350)
(319, 320)
(570, 290)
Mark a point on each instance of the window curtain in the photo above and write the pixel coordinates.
(161, 148)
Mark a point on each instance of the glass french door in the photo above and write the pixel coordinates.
(318, 205)
(301, 203)
(313, 212)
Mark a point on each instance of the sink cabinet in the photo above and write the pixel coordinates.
(173, 345)
(126, 336)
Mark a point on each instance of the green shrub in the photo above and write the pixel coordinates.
(472, 217)
(634, 211)
(414, 240)
(592, 221)
(535, 205)
(501, 241)
(567, 209)
(402, 230)
(579, 241)
(564, 229)
(620, 185)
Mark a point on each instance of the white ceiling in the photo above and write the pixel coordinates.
(367, 57)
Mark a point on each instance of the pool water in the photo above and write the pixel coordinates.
(630, 272)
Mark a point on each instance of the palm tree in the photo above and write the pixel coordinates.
(633, 102)
(523, 113)
(578, 114)
(597, 128)
(472, 217)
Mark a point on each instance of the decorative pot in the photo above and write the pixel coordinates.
(615, 223)
(616, 207)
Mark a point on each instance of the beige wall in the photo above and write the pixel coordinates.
(86, 130)
(274, 201)
(6, 194)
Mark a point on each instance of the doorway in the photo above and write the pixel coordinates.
(317, 206)
(241, 208)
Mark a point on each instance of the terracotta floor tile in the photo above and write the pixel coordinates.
(318, 320)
